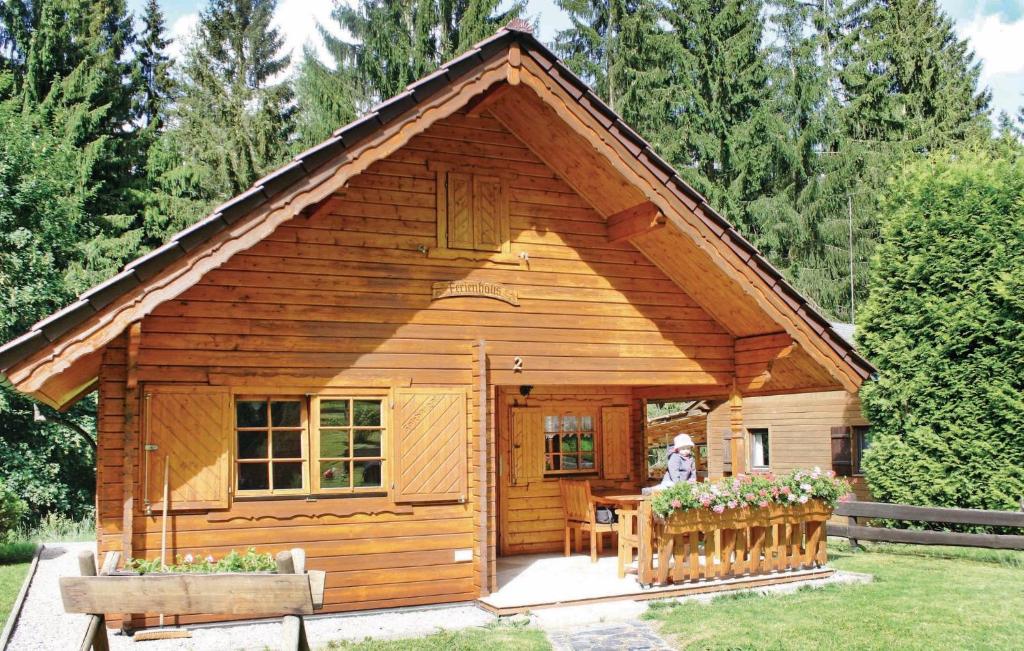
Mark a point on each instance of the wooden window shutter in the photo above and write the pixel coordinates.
(188, 429)
(615, 442)
(430, 434)
(460, 210)
(842, 451)
(527, 445)
(489, 223)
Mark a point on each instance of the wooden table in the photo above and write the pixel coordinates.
(629, 528)
(617, 498)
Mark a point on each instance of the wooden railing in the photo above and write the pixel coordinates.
(882, 511)
(697, 544)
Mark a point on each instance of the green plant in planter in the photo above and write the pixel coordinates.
(753, 491)
(250, 561)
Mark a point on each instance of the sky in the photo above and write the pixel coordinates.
(994, 29)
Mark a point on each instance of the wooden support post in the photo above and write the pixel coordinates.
(483, 433)
(131, 439)
(852, 522)
(96, 633)
(294, 628)
(737, 444)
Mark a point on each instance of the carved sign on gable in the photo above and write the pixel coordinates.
(477, 289)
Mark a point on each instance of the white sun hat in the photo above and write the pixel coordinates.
(682, 441)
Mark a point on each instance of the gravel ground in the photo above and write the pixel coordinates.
(44, 626)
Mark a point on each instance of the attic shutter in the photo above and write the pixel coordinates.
(615, 442)
(488, 226)
(190, 426)
(430, 446)
(460, 210)
(842, 457)
(527, 445)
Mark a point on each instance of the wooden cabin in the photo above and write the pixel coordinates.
(388, 351)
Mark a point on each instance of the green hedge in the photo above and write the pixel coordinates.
(944, 324)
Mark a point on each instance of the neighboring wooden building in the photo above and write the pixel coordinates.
(388, 351)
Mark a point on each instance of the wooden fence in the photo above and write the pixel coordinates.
(697, 544)
(855, 531)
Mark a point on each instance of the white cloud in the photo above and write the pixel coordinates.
(997, 42)
(180, 33)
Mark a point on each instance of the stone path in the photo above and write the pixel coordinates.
(622, 636)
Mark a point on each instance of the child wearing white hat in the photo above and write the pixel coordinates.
(681, 464)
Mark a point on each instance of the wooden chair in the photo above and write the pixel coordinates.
(581, 515)
(629, 538)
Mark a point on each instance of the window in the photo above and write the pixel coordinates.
(472, 212)
(349, 444)
(570, 443)
(271, 445)
(303, 445)
(759, 458)
(861, 435)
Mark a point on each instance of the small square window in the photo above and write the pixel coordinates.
(759, 449)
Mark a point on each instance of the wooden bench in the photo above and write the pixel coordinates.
(291, 592)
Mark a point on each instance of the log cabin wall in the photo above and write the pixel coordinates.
(799, 429)
(342, 299)
(530, 512)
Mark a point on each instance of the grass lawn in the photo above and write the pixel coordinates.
(498, 637)
(921, 598)
(14, 561)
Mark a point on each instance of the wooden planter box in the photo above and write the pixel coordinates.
(699, 544)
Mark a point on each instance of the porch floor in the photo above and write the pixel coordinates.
(533, 581)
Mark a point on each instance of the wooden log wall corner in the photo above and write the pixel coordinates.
(131, 438)
(737, 444)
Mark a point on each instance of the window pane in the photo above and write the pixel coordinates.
(287, 475)
(367, 443)
(366, 473)
(551, 424)
(587, 443)
(252, 445)
(587, 460)
(287, 445)
(569, 445)
(252, 477)
(334, 443)
(251, 413)
(285, 414)
(334, 474)
(334, 413)
(367, 413)
(569, 463)
(569, 424)
(587, 423)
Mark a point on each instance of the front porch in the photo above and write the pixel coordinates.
(533, 581)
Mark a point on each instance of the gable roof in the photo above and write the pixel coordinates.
(307, 180)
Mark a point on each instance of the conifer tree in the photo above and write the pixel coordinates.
(233, 114)
(154, 67)
(391, 44)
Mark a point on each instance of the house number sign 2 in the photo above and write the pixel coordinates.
(475, 288)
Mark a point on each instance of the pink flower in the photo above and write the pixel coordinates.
(718, 508)
(763, 504)
(676, 504)
(803, 499)
(831, 473)
(763, 493)
(785, 490)
(735, 484)
(807, 488)
(792, 498)
(188, 558)
(732, 504)
(750, 497)
(844, 498)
